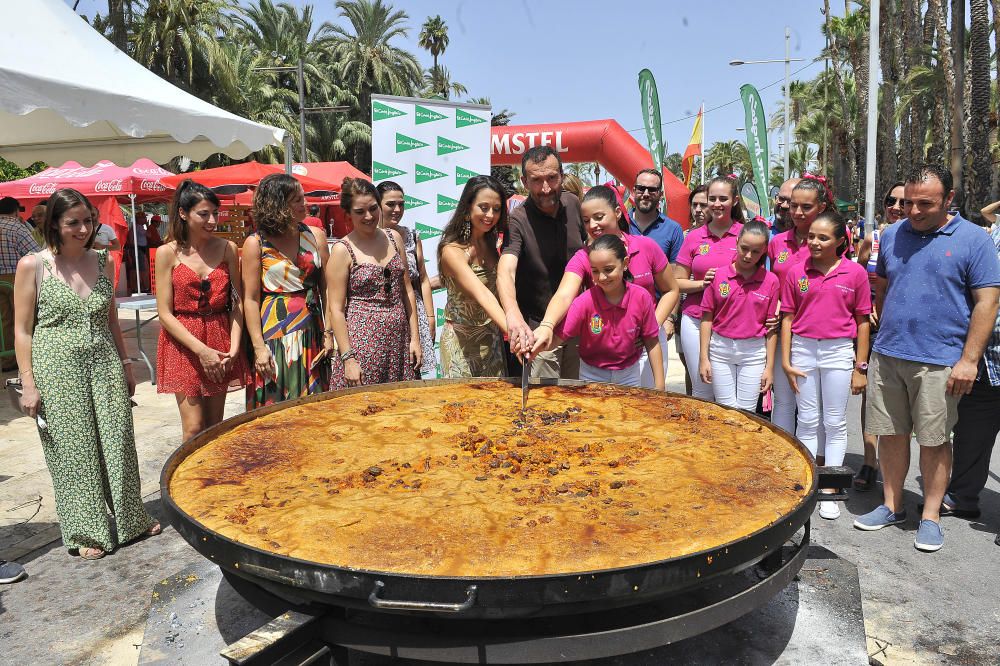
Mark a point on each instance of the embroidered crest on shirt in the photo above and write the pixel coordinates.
(782, 256)
(803, 284)
(724, 289)
(704, 248)
(596, 324)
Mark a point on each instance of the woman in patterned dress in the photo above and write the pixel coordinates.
(77, 380)
(283, 284)
(472, 339)
(199, 357)
(391, 195)
(372, 310)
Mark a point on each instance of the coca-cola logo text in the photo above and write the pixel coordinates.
(151, 171)
(151, 186)
(108, 185)
(42, 188)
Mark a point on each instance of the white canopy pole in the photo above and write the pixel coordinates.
(135, 246)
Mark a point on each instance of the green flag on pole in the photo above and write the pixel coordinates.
(756, 125)
(651, 117)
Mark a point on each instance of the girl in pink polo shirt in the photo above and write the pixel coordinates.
(647, 265)
(737, 349)
(704, 251)
(786, 251)
(825, 303)
(614, 319)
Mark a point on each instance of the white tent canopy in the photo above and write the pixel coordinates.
(67, 93)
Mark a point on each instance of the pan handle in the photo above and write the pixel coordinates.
(430, 606)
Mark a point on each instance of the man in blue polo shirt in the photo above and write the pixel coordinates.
(647, 220)
(937, 293)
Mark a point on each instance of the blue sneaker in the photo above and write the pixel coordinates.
(11, 572)
(930, 536)
(878, 518)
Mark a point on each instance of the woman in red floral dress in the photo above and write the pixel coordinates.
(199, 357)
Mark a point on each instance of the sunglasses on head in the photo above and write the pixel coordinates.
(892, 201)
(646, 188)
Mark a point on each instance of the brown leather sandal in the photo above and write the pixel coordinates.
(153, 530)
(90, 553)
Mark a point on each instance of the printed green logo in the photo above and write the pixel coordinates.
(424, 173)
(413, 202)
(462, 176)
(446, 204)
(404, 143)
(446, 146)
(382, 171)
(382, 111)
(425, 115)
(464, 118)
(439, 290)
(440, 317)
(425, 231)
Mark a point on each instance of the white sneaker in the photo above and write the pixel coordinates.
(829, 510)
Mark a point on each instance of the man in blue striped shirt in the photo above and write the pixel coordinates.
(977, 428)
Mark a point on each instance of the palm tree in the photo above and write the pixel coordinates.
(979, 106)
(434, 37)
(500, 118)
(726, 157)
(438, 83)
(366, 60)
(178, 39)
(801, 159)
(836, 60)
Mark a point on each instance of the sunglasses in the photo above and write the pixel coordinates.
(646, 188)
(892, 201)
(203, 295)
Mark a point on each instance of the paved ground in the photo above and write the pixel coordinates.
(939, 608)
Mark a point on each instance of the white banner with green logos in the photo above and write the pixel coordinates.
(431, 148)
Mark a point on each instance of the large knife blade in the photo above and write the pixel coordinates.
(525, 374)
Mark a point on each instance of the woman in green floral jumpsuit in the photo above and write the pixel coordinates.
(70, 352)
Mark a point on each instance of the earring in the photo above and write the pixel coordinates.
(466, 231)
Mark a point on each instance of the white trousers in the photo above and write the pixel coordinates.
(783, 397)
(823, 393)
(626, 377)
(646, 370)
(691, 342)
(737, 366)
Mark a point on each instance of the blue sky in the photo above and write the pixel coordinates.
(551, 61)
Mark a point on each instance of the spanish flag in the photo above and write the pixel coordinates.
(694, 148)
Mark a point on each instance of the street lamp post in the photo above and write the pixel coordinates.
(788, 93)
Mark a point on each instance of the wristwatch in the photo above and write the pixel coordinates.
(861, 367)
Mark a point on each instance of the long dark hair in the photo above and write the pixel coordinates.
(737, 212)
(270, 204)
(453, 230)
(188, 195)
(608, 196)
(59, 202)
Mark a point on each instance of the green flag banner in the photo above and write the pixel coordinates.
(404, 143)
(382, 111)
(446, 204)
(462, 176)
(756, 124)
(464, 118)
(651, 116)
(413, 202)
(422, 173)
(425, 115)
(383, 171)
(445, 146)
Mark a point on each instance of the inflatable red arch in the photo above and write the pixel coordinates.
(601, 141)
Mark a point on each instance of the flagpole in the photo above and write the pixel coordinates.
(703, 144)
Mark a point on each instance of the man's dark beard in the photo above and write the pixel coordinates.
(649, 204)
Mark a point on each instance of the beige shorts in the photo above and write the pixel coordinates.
(907, 397)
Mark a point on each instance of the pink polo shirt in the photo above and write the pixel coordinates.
(785, 254)
(610, 335)
(739, 305)
(825, 305)
(702, 251)
(646, 261)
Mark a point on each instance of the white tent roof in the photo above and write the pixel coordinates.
(67, 93)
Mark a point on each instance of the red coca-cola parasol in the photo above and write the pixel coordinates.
(104, 179)
(247, 174)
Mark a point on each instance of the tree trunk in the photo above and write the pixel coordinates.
(979, 109)
(942, 141)
(921, 110)
(851, 152)
(957, 104)
(904, 152)
(888, 165)
(857, 53)
(995, 182)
